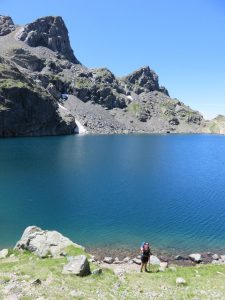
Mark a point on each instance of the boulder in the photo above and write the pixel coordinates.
(4, 253)
(180, 281)
(108, 260)
(78, 265)
(196, 257)
(215, 256)
(117, 261)
(44, 242)
(217, 262)
(154, 260)
(6, 25)
(222, 257)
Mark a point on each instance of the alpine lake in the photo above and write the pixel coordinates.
(116, 191)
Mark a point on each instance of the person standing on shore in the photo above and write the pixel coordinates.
(145, 255)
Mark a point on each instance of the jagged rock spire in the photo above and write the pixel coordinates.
(6, 25)
(50, 32)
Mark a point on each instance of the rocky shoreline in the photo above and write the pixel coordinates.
(45, 243)
(121, 255)
(46, 265)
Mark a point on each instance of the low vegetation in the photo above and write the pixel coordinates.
(26, 274)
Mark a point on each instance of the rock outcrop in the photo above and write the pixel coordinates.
(49, 32)
(26, 110)
(77, 265)
(43, 242)
(143, 80)
(6, 25)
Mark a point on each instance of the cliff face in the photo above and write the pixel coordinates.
(37, 65)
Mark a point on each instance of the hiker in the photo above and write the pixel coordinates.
(145, 255)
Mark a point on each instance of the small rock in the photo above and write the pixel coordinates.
(163, 266)
(179, 257)
(222, 257)
(217, 262)
(180, 281)
(215, 256)
(79, 266)
(196, 257)
(126, 259)
(36, 282)
(12, 297)
(108, 260)
(4, 253)
(137, 261)
(75, 293)
(97, 271)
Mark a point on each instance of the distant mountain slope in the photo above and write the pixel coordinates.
(37, 65)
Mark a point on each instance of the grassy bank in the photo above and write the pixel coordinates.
(19, 273)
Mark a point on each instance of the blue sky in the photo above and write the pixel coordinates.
(183, 41)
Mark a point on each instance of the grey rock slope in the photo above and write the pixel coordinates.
(37, 65)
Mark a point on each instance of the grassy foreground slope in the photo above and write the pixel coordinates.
(31, 277)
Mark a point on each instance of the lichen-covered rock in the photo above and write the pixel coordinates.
(44, 242)
(6, 25)
(49, 32)
(78, 265)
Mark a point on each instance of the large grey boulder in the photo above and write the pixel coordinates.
(77, 265)
(50, 32)
(6, 25)
(44, 242)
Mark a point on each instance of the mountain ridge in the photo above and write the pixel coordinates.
(38, 57)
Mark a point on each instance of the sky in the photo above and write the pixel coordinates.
(183, 41)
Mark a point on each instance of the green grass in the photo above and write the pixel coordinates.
(203, 281)
(82, 82)
(134, 108)
(214, 128)
(10, 83)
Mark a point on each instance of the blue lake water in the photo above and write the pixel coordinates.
(116, 190)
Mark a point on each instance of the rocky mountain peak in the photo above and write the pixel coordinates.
(143, 80)
(50, 32)
(6, 25)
